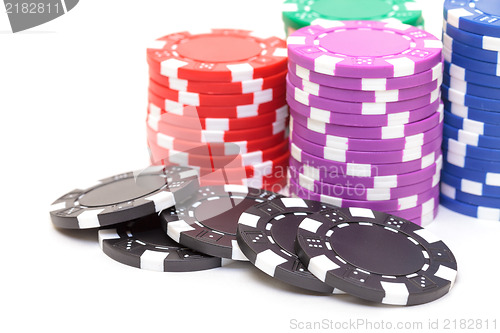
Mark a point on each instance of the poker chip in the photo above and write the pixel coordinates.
(471, 187)
(357, 96)
(462, 111)
(471, 138)
(142, 244)
(479, 200)
(476, 176)
(381, 50)
(221, 55)
(470, 88)
(202, 87)
(364, 120)
(196, 99)
(207, 222)
(463, 149)
(367, 84)
(476, 16)
(214, 124)
(392, 181)
(471, 163)
(416, 266)
(469, 51)
(484, 42)
(472, 76)
(124, 197)
(471, 63)
(266, 234)
(298, 14)
(483, 213)
(465, 99)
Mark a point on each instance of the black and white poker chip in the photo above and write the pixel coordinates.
(376, 256)
(124, 197)
(207, 222)
(266, 235)
(143, 244)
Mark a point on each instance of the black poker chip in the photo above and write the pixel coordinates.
(266, 235)
(376, 256)
(207, 222)
(143, 244)
(124, 197)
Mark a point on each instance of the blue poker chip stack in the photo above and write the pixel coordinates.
(470, 182)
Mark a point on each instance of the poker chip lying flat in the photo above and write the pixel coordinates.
(462, 98)
(471, 187)
(480, 41)
(471, 76)
(470, 51)
(207, 222)
(483, 213)
(397, 263)
(124, 197)
(470, 88)
(394, 49)
(484, 116)
(476, 16)
(298, 14)
(463, 149)
(266, 235)
(222, 55)
(475, 176)
(479, 200)
(470, 63)
(471, 163)
(470, 138)
(142, 244)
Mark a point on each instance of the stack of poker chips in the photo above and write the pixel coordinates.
(471, 95)
(217, 104)
(366, 117)
(302, 13)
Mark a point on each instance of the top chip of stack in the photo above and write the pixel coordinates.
(301, 13)
(217, 103)
(471, 90)
(366, 118)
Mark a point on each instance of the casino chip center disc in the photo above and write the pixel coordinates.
(143, 244)
(207, 222)
(376, 256)
(124, 197)
(266, 235)
(364, 49)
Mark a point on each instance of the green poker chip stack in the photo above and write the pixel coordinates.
(301, 13)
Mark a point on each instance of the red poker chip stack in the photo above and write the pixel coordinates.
(217, 103)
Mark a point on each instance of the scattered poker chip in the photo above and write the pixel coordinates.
(470, 51)
(471, 163)
(124, 197)
(403, 203)
(471, 76)
(358, 96)
(476, 16)
(471, 187)
(475, 176)
(484, 116)
(354, 144)
(266, 234)
(207, 222)
(215, 124)
(142, 244)
(225, 88)
(367, 84)
(239, 111)
(364, 169)
(215, 149)
(398, 262)
(471, 138)
(484, 213)
(480, 41)
(384, 182)
(222, 136)
(364, 120)
(479, 200)
(381, 50)
(371, 133)
(222, 55)
(196, 99)
(305, 98)
(470, 88)
(471, 64)
(357, 192)
(463, 149)
(340, 155)
(462, 98)
(298, 14)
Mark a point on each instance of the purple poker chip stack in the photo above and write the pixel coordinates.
(366, 119)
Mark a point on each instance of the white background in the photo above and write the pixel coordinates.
(73, 106)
